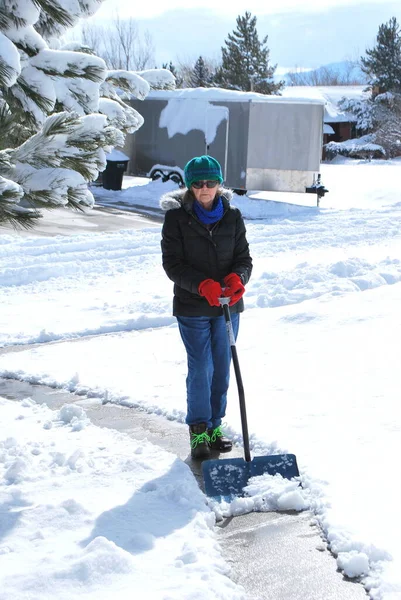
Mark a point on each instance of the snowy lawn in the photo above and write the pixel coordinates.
(87, 512)
(320, 367)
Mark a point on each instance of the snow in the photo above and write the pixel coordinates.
(353, 564)
(138, 86)
(58, 180)
(10, 187)
(116, 155)
(331, 96)
(124, 118)
(60, 62)
(265, 493)
(85, 514)
(223, 95)
(363, 144)
(27, 10)
(328, 129)
(27, 37)
(158, 78)
(9, 55)
(319, 354)
(182, 117)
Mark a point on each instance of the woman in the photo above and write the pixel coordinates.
(206, 254)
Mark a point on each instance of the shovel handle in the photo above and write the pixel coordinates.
(224, 302)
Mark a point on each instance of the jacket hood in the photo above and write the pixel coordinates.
(177, 198)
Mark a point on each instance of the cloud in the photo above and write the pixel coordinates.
(227, 7)
(296, 38)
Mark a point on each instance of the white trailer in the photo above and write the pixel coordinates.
(267, 143)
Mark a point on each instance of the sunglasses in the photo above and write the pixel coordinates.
(198, 185)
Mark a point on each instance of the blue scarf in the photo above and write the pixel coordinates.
(209, 216)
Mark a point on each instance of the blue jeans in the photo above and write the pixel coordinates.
(209, 357)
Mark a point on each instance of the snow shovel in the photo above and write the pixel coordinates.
(226, 478)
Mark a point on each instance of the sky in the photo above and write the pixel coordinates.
(234, 7)
(319, 353)
(303, 34)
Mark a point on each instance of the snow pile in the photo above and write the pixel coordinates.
(73, 415)
(265, 493)
(89, 513)
(353, 564)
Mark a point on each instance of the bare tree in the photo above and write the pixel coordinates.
(121, 44)
(145, 53)
(90, 36)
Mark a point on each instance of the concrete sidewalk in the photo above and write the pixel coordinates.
(274, 556)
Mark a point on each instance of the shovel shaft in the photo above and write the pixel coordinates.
(241, 392)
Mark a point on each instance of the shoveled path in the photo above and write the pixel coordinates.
(274, 556)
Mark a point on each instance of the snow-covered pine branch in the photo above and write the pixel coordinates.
(159, 79)
(60, 109)
(122, 85)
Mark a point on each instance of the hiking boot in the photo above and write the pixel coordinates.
(218, 441)
(199, 441)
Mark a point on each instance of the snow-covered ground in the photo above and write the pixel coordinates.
(318, 348)
(88, 513)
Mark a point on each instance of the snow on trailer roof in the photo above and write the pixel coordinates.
(222, 95)
(331, 96)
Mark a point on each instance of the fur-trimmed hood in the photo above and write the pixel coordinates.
(178, 198)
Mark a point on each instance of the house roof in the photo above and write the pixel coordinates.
(331, 96)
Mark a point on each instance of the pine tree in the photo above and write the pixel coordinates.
(245, 60)
(59, 110)
(383, 62)
(173, 69)
(201, 75)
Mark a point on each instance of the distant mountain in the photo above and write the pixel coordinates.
(336, 73)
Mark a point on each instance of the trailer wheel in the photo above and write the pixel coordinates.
(240, 192)
(176, 177)
(158, 174)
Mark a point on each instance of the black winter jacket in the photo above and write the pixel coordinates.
(193, 252)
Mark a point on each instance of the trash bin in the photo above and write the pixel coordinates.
(112, 176)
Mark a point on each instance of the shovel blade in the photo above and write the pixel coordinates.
(229, 476)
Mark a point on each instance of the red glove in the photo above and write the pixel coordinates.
(211, 290)
(234, 288)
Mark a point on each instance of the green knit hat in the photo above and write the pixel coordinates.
(202, 168)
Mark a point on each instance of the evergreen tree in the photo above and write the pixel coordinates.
(245, 60)
(383, 62)
(388, 134)
(173, 69)
(59, 109)
(201, 75)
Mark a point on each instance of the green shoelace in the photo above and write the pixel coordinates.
(217, 432)
(199, 438)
